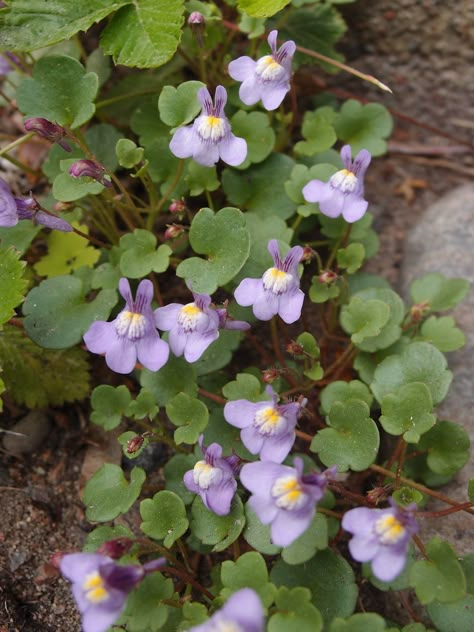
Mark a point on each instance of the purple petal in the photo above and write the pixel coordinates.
(265, 305)
(333, 205)
(346, 157)
(100, 336)
(100, 618)
(205, 100)
(8, 209)
(75, 566)
(213, 452)
(240, 412)
(289, 307)
(189, 482)
(122, 356)
(354, 208)
(315, 190)
(245, 608)
(274, 251)
(220, 99)
(144, 295)
(272, 96)
(272, 40)
(183, 142)
(363, 548)
(177, 341)
(205, 154)
(276, 449)
(152, 352)
(53, 222)
(292, 259)
(361, 162)
(125, 291)
(166, 317)
(253, 440)
(247, 290)
(388, 563)
(360, 520)
(259, 477)
(233, 150)
(197, 343)
(264, 508)
(250, 91)
(220, 497)
(286, 52)
(241, 68)
(288, 526)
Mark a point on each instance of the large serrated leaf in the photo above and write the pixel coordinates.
(12, 284)
(39, 377)
(145, 33)
(29, 24)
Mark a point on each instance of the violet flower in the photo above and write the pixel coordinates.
(12, 210)
(51, 131)
(194, 326)
(8, 62)
(381, 536)
(284, 497)
(344, 193)
(85, 168)
(131, 335)
(267, 79)
(100, 586)
(278, 291)
(267, 428)
(213, 478)
(242, 612)
(209, 137)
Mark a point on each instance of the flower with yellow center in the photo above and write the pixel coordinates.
(277, 281)
(205, 475)
(288, 493)
(268, 421)
(344, 180)
(211, 128)
(130, 324)
(389, 529)
(189, 317)
(94, 588)
(268, 69)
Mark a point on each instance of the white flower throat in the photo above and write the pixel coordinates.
(130, 324)
(287, 492)
(344, 180)
(205, 475)
(389, 529)
(189, 317)
(268, 69)
(211, 128)
(277, 281)
(268, 421)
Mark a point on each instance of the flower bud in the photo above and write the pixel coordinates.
(177, 206)
(51, 131)
(327, 277)
(378, 494)
(173, 231)
(90, 169)
(115, 548)
(419, 310)
(294, 348)
(308, 254)
(270, 375)
(197, 23)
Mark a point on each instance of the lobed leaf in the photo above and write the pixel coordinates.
(108, 494)
(164, 517)
(12, 283)
(439, 291)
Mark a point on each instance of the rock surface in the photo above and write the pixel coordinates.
(443, 241)
(32, 431)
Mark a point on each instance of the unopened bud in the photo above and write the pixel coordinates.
(294, 348)
(173, 231)
(308, 254)
(197, 23)
(327, 277)
(134, 444)
(90, 169)
(377, 495)
(177, 206)
(270, 375)
(115, 548)
(419, 310)
(51, 131)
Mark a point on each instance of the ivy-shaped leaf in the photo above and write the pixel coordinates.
(145, 33)
(145, 608)
(190, 415)
(318, 132)
(175, 377)
(438, 291)
(295, 611)
(128, 154)
(255, 128)
(340, 391)
(164, 517)
(66, 252)
(364, 319)
(249, 571)
(364, 126)
(391, 330)
(141, 256)
(351, 258)
(60, 91)
(448, 446)
(200, 179)
(408, 412)
(218, 531)
(179, 106)
(109, 405)
(12, 283)
(108, 494)
(443, 333)
(224, 239)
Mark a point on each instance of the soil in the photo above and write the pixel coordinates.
(423, 50)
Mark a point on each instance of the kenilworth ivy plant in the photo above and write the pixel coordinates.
(201, 228)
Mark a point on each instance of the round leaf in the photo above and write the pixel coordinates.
(164, 517)
(255, 128)
(175, 377)
(364, 318)
(140, 256)
(408, 412)
(340, 391)
(443, 333)
(190, 414)
(219, 531)
(108, 494)
(109, 404)
(439, 291)
(364, 126)
(180, 105)
(448, 447)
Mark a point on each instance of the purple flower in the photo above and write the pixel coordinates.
(278, 291)
(283, 497)
(12, 210)
(344, 193)
(242, 612)
(8, 62)
(89, 169)
(267, 428)
(131, 335)
(381, 536)
(194, 326)
(267, 79)
(213, 478)
(48, 130)
(209, 137)
(100, 587)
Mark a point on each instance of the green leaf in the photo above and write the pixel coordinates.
(320, 292)
(470, 490)
(318, 132)
(245, 386)
(108, 494)
(100, 64)
(145, 33)
(249, 571)
(295, 612)
(257, 534)
(103, 533)
(456, 615)
(175, 377)
(164, 517)
(448, 445)
(200, 179)
(190, 415)
(443, 333)
(255, 128)
(391, 331)
(141, 256)
(109, 404)
(261, 184)
(19, 236)
(351, 258)
(143, 406)
(262, 8)
(219, 531)
(66, 188)
(124, 440)
(180, 105)
(60, 91)
(224, 239)
(145, 610)
(330, 579)
(340, 391)
(439, 291)
(309, 345)
(364, 126)
(361, 232)
(419, 362)
(12, 283)
(26, 25)
(38, 377)
(66, 252)
(360, 622)
(174, 471)
(57, 315)
(219, 353)
(440, 577)
(305, 547)
(128, 154)
(405, 496)
(364, 318)
(300, 176)
(408, 412)
(351, 441)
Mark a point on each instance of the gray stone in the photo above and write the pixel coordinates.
(443, 241)
(32, 431)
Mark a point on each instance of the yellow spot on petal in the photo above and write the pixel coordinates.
(389, 529)
(94, 588)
